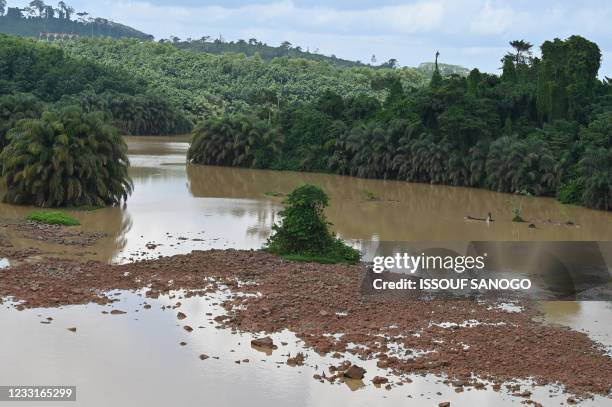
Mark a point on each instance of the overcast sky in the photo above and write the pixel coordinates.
(472, 33)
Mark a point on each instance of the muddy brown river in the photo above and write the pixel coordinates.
(135, 358)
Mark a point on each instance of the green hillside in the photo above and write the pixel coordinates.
(208, 84)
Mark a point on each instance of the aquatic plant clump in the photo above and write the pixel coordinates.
(66, 158)
(53, 218)
(304, 233)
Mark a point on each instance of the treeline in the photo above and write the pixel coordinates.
(39, 17)
(543, 127)
(36, 76)
(255, 47)
(252, 47)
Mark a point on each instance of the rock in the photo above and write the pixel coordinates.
(265, 342)
(188, 328)
(204, 356)
(180, 316)
(183, 343)
(72, 329)
(354, 372)
(298, 360)
(379, 380)
(117, 312)
(444, 404)
(323, 313)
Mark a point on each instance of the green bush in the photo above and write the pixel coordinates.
(304, 234)
(53, 218)
(65, 159)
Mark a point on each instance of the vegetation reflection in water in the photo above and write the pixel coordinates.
(225, 207)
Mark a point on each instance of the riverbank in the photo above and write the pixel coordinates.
(323, 306)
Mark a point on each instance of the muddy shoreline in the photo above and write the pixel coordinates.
(316, 301)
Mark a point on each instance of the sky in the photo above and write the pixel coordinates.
(472, 33)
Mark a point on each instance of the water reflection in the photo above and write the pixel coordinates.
(405, 211)
(150, 368)
(218, 207)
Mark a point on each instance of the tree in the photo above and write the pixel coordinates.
(66, 10)
(304, 229)
(38, 5)
(436, 78)
(49, 12)
(66, 158)
(567, 78)
(2, 7)
(522, 51)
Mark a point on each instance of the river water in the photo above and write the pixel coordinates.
(185, 207)
(135, 359)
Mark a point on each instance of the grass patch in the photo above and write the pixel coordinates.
(86, 208)
(53, 218)
(369, 195)
(275, 194)
(304, 258)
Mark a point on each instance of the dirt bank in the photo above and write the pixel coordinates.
(315, 300)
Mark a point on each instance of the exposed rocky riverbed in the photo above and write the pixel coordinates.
(472, 344)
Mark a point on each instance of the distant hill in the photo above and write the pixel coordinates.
(427, 68)
(31, 22)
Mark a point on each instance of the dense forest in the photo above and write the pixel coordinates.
(543, 127)
(35, 76)
(208, 85)
(38, 18)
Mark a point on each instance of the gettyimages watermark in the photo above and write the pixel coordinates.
(479, 269)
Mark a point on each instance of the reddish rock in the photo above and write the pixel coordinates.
(355, 372)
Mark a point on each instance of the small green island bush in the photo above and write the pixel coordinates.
(304, 233)
(53, 218)
(67, 158)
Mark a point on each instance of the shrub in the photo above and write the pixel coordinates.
(65, 158)
(304, 233)
(53, 218)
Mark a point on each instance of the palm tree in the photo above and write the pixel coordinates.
(595, 176)
(14, 108)
(477, 159)
(66, 158)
